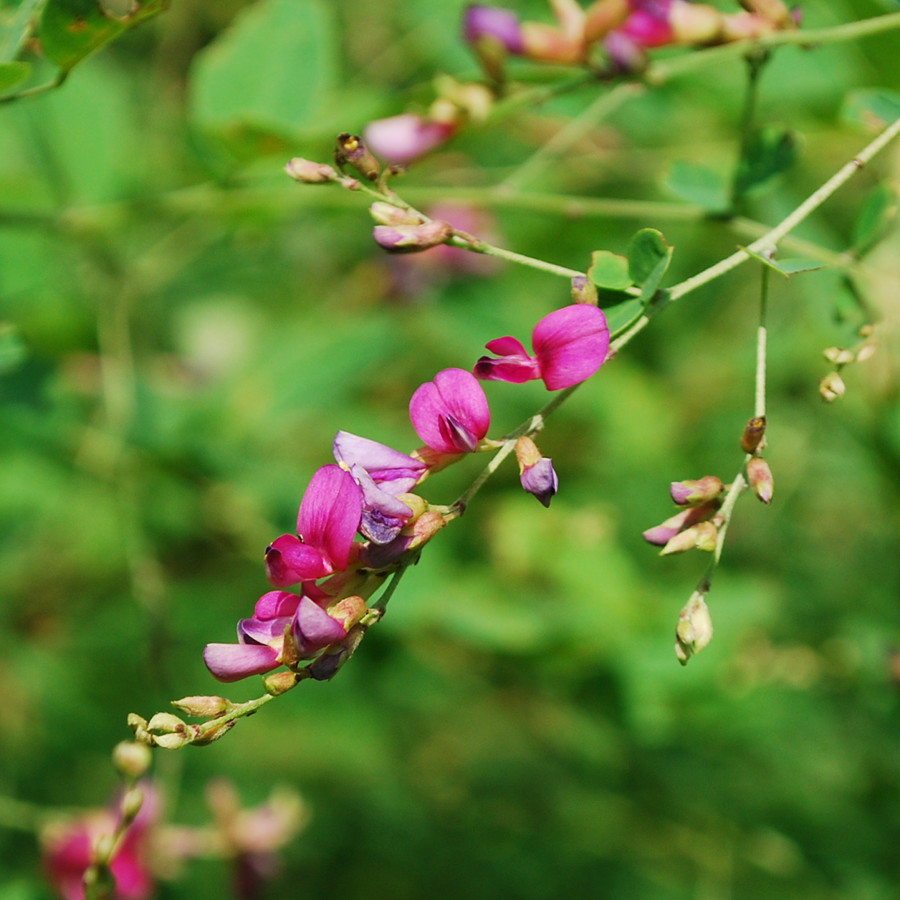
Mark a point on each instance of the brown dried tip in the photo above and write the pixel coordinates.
(351, 151)
(754, 432)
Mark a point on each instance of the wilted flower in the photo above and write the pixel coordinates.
(570, 345)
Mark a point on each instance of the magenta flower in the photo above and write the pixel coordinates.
(450, 414)
(570, 345)
(494, 24)
(69, 851)
(260, 640)
(326, 525)
(404, 138)
(649, 24)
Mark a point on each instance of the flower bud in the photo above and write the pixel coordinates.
(348, 611)
(132, 759)
(695, 23)
(661, 534)
(412, 238)
(536, 472)
(203, 707)
(280, 682)
(694, 630)
(832, 387)
(866, 351)
(166, 723)
(210, 732)
(309, 172)
(602, 17)
(583, 290)
(132, 801)
(759, 475)
(388, 214)
(702, 536)
(351, 151)
(754, 432)
(697, 492)
(838, 355)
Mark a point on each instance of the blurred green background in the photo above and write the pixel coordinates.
(183, 331)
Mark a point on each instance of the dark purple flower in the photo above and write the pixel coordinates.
(570, 345)
(326, 525)
(450, 414)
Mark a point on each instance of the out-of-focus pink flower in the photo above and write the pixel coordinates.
(68, 852)
(450, 414)
(491, 23)
(570, 345)
(404, 138)
(326, 525)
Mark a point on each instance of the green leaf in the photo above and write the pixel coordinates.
(698, 184)
(619, 317)
(769, 153)
(875, 217)
(72, 29)
(872, 108)
(609, 270)
(15, 29)
(648, 258)
(273, 69)
(13, 73)
(793, 265)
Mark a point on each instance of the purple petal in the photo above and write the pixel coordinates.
(570, 344)
(261, 631)
(314, 629)
(401, 139)
(450, 414)
(231, 662)
(513, 365)
(540, 480)
(290, 561)
(493, 22)
(329, 514)
(392, 471)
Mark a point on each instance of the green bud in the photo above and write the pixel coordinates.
(203, 707)
(694, 630)
(166, 723)
(132, 802)
(132, 759)
(280, 682)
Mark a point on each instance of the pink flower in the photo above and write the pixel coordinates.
(69, 852)
(404, 138)
(450, 414)
(326, 525)
(495, 24)
(570, 345)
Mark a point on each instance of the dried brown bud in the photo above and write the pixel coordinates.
(754, 432)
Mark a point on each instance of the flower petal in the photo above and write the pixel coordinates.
(289, 561)
(391, 470)
(232, 662)
(570, 344)
(314, 629)
(451, 413)
(275, 604)
(401, 139)
(329, 514)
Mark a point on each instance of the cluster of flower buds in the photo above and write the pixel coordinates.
(368, 493)
(831, 386)
(696, 525)
(694, 629)
(623, 30)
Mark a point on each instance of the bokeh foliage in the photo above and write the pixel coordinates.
(183, 331)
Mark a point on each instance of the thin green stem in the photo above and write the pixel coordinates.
(664, 70)
(468, 242)
(756, 60)
(759, 406)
